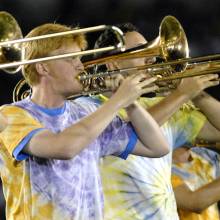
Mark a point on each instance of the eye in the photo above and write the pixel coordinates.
(76, 59)
(70, 60)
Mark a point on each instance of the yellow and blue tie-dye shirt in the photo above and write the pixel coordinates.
(140, 188)
(50, 189)
(201, 170)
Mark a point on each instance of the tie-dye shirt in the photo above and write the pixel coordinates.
(49, 189)
(202, 169)
(140, 188)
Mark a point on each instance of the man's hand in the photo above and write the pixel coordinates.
(193, 86)
(133, 87)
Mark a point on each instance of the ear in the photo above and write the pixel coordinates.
(112, 65)
(41, 69)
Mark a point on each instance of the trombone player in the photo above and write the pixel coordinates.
(52, 146)
(140, 188)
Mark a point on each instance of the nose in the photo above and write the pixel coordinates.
(80, 65)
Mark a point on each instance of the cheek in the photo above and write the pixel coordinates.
(136, 62)
(66, 72)
(139, 62)
(128, 63)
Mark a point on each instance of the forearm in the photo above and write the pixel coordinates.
(78, 136)
(210, 107)
(187, 89)
(147, 129)
(162, 111)
(198, 200)
(208, 195)
(93, 125)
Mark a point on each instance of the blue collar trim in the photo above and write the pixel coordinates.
(51, 111)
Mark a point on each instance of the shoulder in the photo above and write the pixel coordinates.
(12, 109)
(207, 154)
(16, 113)
(89, 104)
(89, 100)
(149, 102)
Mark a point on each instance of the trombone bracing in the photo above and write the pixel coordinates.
(7, 41)
(159, 68)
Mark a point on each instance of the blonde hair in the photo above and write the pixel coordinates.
(41, 48)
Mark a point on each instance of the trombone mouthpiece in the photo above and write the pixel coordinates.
(82, 76)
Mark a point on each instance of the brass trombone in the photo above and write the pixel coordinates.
(10, 45)
(171, 44)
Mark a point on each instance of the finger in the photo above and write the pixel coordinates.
(149, 89)
(163, 94)
(138, 77)
(147, 82)
(111, 82)
(162, 83)
(212, 83)
(120, 77)
(209, 77)
(206, 77)
(200, 68)
(118, 81)
(108, 82)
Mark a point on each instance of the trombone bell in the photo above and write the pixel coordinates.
(9, 30)
(173, 41)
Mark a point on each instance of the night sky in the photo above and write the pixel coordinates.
(199, 18)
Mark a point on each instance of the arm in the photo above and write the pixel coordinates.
(188, 89)
(73, 139)
(197, 201)
(148, 131)
(77, 137)
(210, 108)
(209, 133)
(162, 111)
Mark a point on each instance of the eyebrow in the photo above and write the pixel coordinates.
(140, 44)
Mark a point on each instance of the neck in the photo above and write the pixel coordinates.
(45, 97)
(107, 94)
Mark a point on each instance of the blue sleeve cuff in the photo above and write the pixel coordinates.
(130, 146)
(17, 153)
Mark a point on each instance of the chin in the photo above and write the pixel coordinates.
(73, 93)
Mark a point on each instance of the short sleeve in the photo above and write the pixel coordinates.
(21, 127)
(118, 139)
(210, 156)
(176, 181)
(186, 125)
(89, 104)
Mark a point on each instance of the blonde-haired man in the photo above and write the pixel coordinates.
(51, 147)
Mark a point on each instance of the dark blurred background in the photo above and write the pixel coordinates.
(199, 18)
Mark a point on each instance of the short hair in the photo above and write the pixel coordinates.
(108, 38)
(41, 48)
